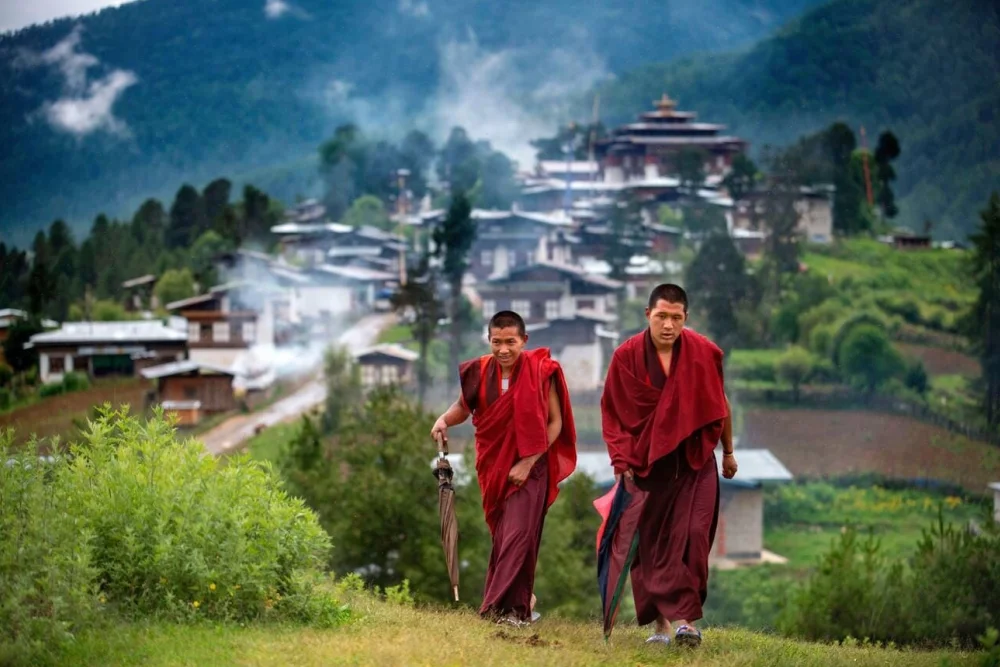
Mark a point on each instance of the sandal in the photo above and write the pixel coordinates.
(659, 639)
(688, 636)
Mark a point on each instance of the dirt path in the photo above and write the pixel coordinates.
(233, 433)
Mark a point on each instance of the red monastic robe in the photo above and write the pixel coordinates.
(665, 430)
(511, 426)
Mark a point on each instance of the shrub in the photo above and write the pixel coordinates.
(75, 382)
(6, 398)
(46, 590)
(51, 389)
(821, 339)
(176, 534)
(794, 367)
(6, 375)
(750, 365)
(916, 377)
(867, 356)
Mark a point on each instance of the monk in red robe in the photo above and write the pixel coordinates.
(525, 446)
(663, 412)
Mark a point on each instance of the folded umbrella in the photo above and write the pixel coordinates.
(617, 543)
(446, 508)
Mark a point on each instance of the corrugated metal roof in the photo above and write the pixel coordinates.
(182, 367)
(139, 331)
(390, 350)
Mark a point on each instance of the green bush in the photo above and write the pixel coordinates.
(949, 594)
(46, 575)
(6, 398)
(6, 375)
(75, 382)
(867, 357)
(51, 389)
(750, 365)
(177, 534)
(916, 377)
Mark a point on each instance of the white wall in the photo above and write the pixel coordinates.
(581, 365)
(313, 301)
(219, 356)
(741, 524)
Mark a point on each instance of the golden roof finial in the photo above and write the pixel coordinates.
(665, 103)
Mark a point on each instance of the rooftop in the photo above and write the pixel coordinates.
(181, 368)
(141, 280)
(311, 228)
(571, 270)
(357, 273)
(390, 350)
(137, 331)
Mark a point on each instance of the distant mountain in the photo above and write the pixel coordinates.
(928, 70)
(102, 111)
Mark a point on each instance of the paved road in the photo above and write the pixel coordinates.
(233, 433)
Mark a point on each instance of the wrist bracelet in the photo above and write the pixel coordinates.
(727, 453)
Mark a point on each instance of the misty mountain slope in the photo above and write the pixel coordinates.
(930, 71)
(100, 112)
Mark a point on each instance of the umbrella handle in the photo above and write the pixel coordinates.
(442, 442)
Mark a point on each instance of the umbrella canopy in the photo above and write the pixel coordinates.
(446, 508)
(617, 543)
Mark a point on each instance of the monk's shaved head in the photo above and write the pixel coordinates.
(670, 293)
(508, 319)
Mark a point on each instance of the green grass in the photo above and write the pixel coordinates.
(398, 333)
(385, 634)
(803, 520)
(268, 445)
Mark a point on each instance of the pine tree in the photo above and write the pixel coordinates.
(986, 313)
(454, 238)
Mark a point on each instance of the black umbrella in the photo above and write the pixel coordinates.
(446, 507)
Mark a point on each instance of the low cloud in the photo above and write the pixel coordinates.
(415, 8)
(275, 9)
(85, 106)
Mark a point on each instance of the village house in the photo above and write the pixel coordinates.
(11, 316)
(191, 390)
(506, 240)
(139, 295)
(814, 206)
(739, 537)
(226, 321)
(102, 349)
(386, 364)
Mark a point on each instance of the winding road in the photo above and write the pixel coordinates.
(233, 433)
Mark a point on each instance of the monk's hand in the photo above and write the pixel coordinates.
(518, 475)
(729, 466)
(440, 431)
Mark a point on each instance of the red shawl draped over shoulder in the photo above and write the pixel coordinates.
(514, 425)
(643, 423)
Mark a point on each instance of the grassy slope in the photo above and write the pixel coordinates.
(390, 635)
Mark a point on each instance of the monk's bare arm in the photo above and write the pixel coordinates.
(555, 415)
(727, 429)
(454, 415)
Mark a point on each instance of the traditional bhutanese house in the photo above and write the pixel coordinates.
(507, 240)
(546, 291)
(103, 349)
(306, 235)
(11, 316)
(641, 275)
(814, 206)
(363, 284)
(649, 148)
(139, 294)
(995, 488)
(582, 343)
(911, 242)
(386, 364)
(739, 537)
(748, 241)
(227, 320)
(191, 390)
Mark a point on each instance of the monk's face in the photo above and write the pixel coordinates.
(666, 320)
(507, 344)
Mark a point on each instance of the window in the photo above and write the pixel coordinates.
(194, 332)
(585, 304)
(369, 375)
(521, 306)
(489, 308)
(486, 257)
(220, 332)
(249, 331)
(551, 309)
(205, 332)
(57, 363)
(190, 393)
(390, 374)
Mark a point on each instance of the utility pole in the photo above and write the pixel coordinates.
(401, 209)
(864, 159)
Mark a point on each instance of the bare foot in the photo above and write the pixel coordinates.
(533, 600)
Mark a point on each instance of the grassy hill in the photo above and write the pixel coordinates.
(927, 70)
(227, 88)
(393, 635)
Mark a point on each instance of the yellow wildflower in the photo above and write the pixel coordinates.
(163, 580)
(211, 587)
(103, 599)
(237, 587)
(195, 604)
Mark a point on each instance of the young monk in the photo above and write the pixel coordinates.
(525, 446)
(663, 411)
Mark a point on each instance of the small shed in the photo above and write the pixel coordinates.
(386, 364)
(192, 389)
